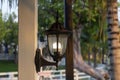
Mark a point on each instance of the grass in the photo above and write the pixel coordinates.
(8, 66)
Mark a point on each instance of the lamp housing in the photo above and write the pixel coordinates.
(57, 37)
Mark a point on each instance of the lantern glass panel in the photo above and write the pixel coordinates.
(51, 40)
(62, 42)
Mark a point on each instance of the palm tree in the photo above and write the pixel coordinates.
(113, 39)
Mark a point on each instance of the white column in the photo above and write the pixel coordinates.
(27, 39)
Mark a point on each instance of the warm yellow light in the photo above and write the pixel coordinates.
(55, 46)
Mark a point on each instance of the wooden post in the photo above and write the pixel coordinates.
(69, 53)
(27, 14)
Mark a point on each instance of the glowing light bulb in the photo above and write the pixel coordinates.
(55, 47)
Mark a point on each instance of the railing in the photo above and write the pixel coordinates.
(60, 75)
(47, 75)
(9, 76)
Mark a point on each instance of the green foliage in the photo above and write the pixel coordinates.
(92, 17)
(12, 28)
(47, 11)
(88, 13)
(118, 4)
(9, 30)
(2, 28)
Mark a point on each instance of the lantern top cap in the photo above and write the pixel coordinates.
(57, 28)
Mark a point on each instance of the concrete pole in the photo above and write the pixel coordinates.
(27, 14)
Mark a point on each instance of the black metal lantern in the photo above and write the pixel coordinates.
(57, 37)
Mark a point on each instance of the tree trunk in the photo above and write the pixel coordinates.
(113, 40)
(103, 58)
(79, 62)
(89, 62)
(95, 63)
(95, 57)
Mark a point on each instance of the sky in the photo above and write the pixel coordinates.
(6, 11)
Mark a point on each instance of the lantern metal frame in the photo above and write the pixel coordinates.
(55, 29)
